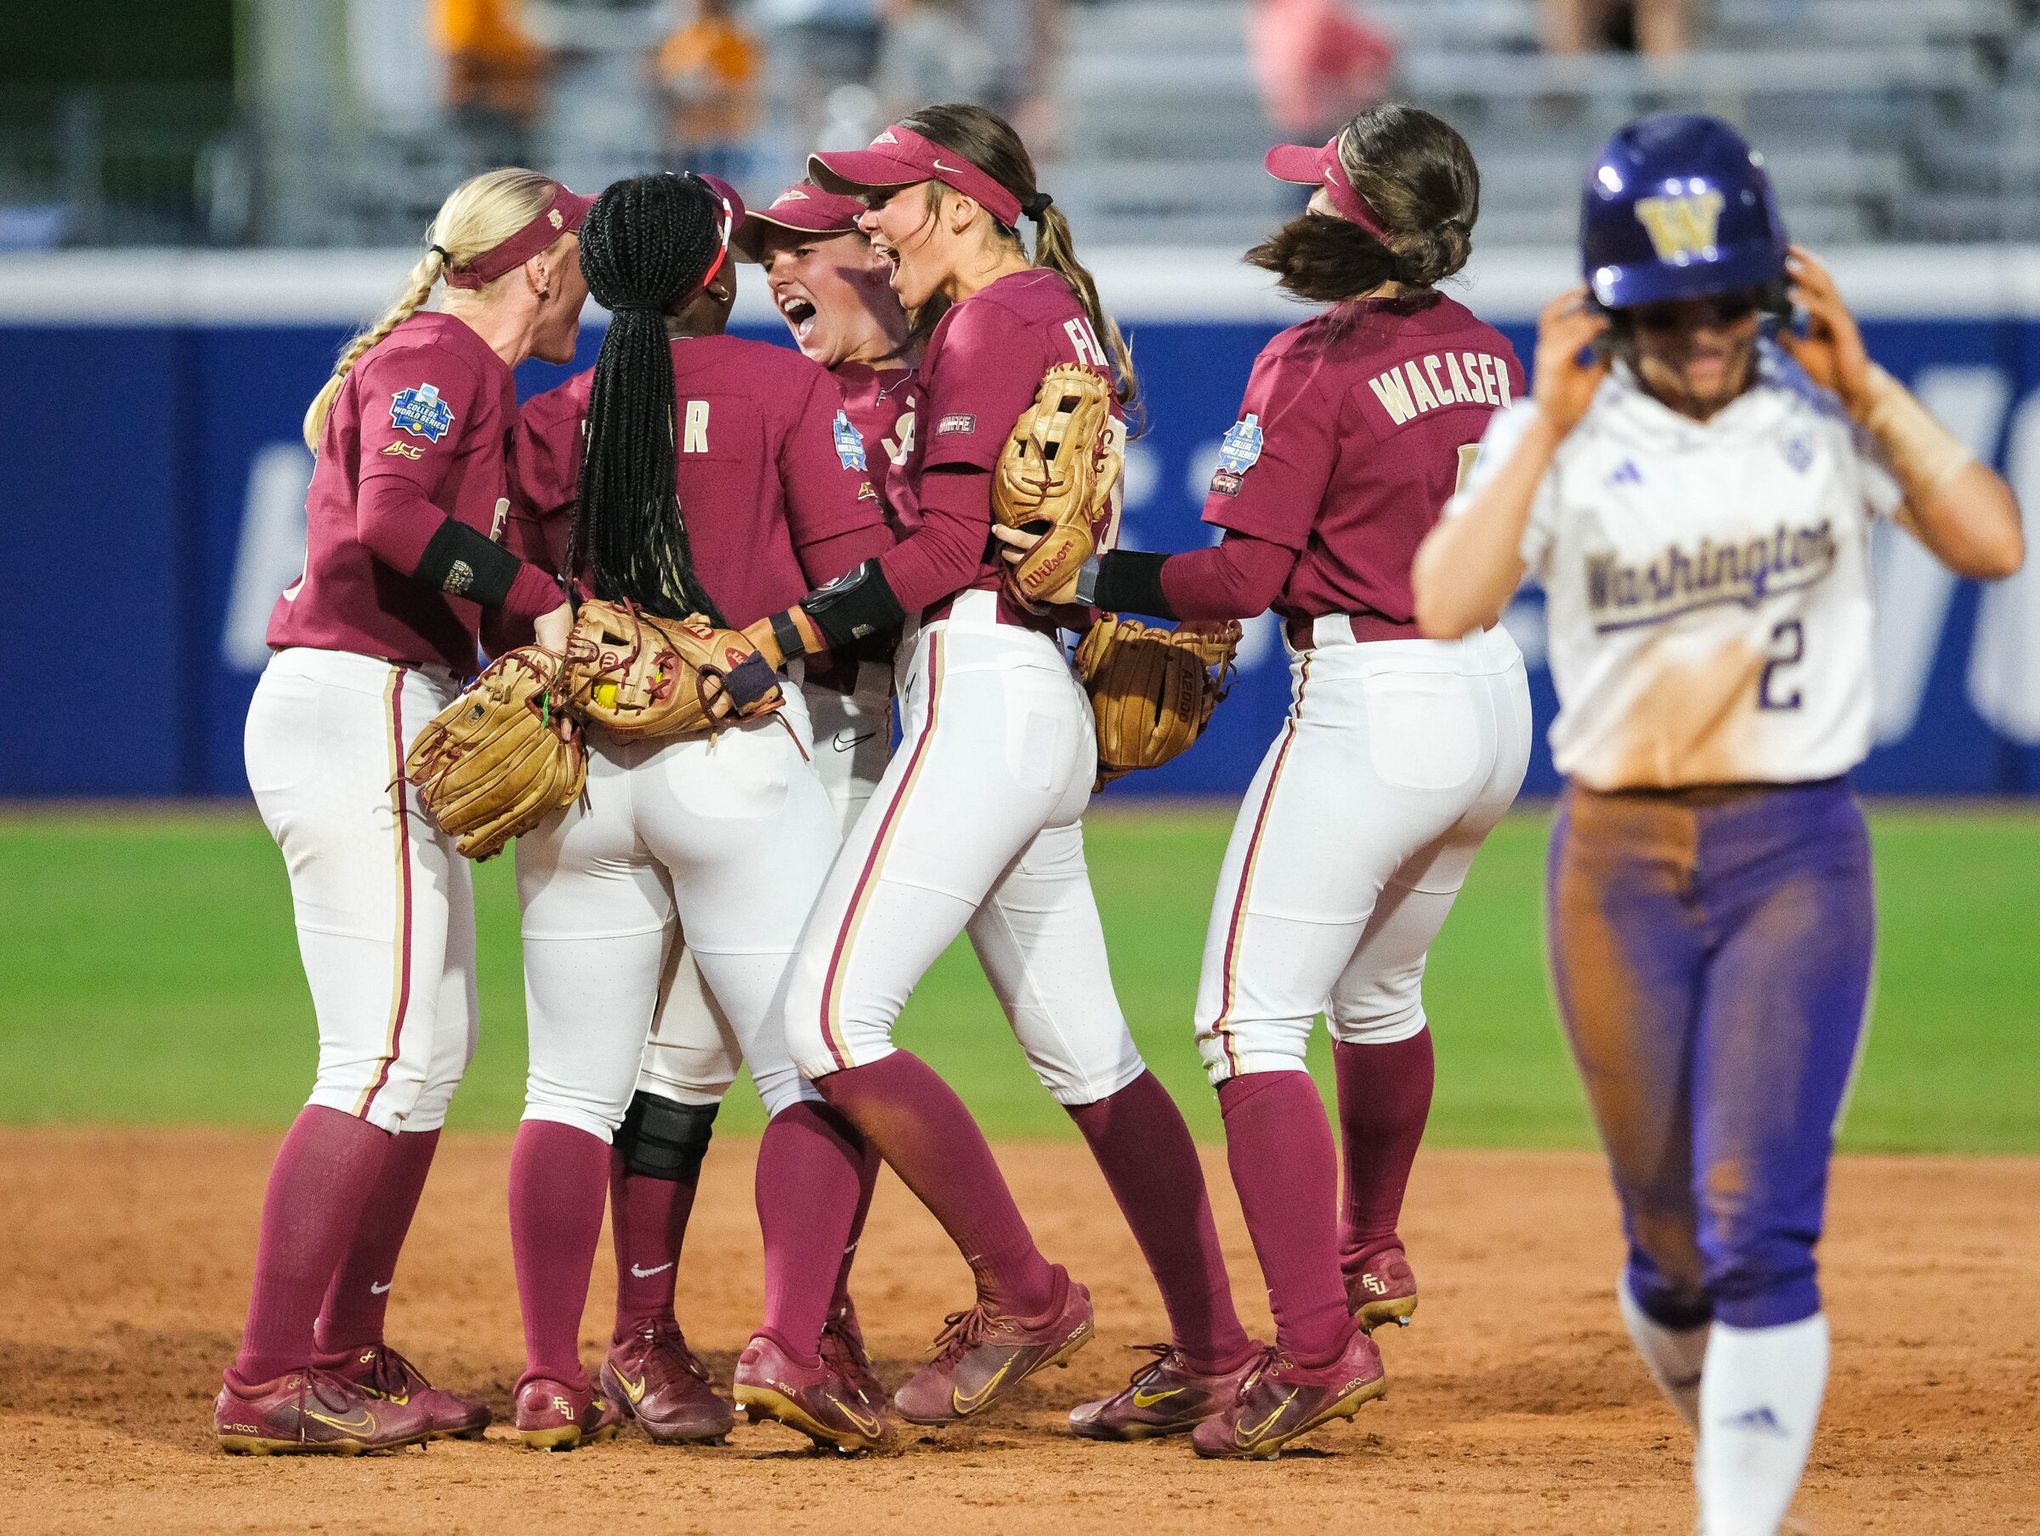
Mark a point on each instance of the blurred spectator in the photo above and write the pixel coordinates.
(711, 71)
(813, 48)
(1316, 64)
(1659, 29)
(494, 71)
(931, 52)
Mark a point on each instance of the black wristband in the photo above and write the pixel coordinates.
(787, 635)
(468, 563)
(856, 604)
(750, 680)
(1130, 581)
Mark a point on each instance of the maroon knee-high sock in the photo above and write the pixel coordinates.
(1150, 1162)
(867, 1185)
(809, 1169)
(1279, 1146)
(1384, 1100)
(647, 1226)
(558, 1176)
(360, 1293)
(323, 1174)
(921, 1128)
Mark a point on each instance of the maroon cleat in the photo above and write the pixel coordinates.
(813, 1397)
(1163, 1397)
(657, 1380)
(552, 1416)
(1281, 1400)
(312, 1409)
(843, 1347)
(981, 1356)
(1383, 1289)
(381, 1372)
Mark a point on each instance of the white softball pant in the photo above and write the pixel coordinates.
(728, 836)
(1397, 759)
(693, 1055)
(384, 905)
(977, 824)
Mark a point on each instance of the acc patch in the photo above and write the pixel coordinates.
(950, 424)
(402, 451)
(420, 412)
(849, 444)
(1238, 451)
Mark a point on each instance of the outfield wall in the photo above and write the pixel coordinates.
(149, 405)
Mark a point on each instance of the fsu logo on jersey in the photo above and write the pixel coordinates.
(1238, 451)
(420, 412)
(849, 444)
(1681, 228)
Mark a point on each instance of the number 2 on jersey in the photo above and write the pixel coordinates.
(1788, 648)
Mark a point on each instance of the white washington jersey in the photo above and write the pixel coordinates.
(1707, 584)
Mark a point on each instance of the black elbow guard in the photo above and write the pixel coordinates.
(468, 563)
(664, 1139)
(857, 604)
(1130, 581)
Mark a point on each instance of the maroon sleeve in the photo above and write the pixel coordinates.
(399, 470)
(943, 554)
(1278, 458)
(828, 494)
(824, 560)
(985, 372)
(1236, 578)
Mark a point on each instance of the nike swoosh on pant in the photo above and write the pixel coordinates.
(646, 1274)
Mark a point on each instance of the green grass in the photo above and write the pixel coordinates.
(150, 975)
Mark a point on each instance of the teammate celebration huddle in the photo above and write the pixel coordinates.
(608, 629)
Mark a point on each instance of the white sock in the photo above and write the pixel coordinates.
(1672, 1355)
(1760, 1395)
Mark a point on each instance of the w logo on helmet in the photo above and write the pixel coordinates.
(1681, 228)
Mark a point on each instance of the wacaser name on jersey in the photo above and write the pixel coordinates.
(1678, 580)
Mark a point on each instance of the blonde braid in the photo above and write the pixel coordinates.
(478, 215)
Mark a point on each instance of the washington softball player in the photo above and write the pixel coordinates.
(976, 824)
(834, 296)
(1398, 757)
(1698, 511)
(690, 472)
(408, 496)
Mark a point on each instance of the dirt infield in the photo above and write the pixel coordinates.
(1516, 1403)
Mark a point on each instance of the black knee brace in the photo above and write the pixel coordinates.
(662, 1139)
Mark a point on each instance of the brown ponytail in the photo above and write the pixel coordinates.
(1417, 174)
(990, 143)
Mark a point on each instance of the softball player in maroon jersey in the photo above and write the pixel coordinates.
(977, 823)
(689, 471)
(407, 496)
(1399, 754)
(849, 319)
(836, 300)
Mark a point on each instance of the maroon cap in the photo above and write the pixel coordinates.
(1319, 166)
(804, 207)
(564, 213)
(899, 157)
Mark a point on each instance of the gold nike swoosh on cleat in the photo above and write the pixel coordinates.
(634, 1390)
(976, 1400)
(868, 1426)
(361, 1424)
(1145, 1399)
(1248, 1434)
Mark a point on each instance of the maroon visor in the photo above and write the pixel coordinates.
(802, 207)
(1318, 166)
(899, 157)
(564, 213)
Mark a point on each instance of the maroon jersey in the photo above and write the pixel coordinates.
(982, 367)
(775, 500)
(417, 435)
(882, 405)
(1350, 440)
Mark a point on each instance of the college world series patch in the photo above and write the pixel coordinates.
(849, 444)
(420, 412)
(1238, 451)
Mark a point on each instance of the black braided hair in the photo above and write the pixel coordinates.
(646, 246)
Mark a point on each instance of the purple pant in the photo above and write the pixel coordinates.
(1710, 950)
